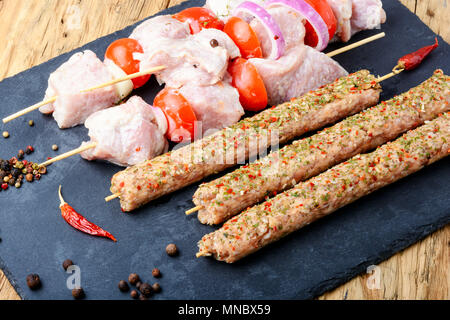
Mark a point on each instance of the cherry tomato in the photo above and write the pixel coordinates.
(199, 18)
(179, 113)
(121, 53)
(244, 37)
(324, 10)
(246, 79)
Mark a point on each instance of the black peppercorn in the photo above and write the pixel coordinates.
(138, 284)
(123, 286)
(156, 273)
(33, 281)
(133, 279)
(20, 154)
(78, 293)
(214, 43)
(146, 289)
(67, 263)
(172, 250)
(134, 294)
(156, 287)
(142, 297)
(15, 172)
(5, 166)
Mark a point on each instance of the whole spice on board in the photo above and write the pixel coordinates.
(78, 293)
(133, 279)
(156, 273)
(123, 286)
(134, 294)
(33, 281)
(172, 250)
(67, 263)
(156, 287)
(412, 60)
(146, 289)
(77, 221)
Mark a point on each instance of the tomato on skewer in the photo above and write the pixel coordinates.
(244, 37)
(179, 113)
(199, 18)
(121, 53)
(246, 79)
(324, 10)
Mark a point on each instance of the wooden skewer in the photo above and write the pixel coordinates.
(103, 85)
(394, 72)
(191, 211)
(356, 44)
(70, 153)
(112, 197)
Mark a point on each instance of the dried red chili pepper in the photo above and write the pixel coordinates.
(77, 221)
(412, 60)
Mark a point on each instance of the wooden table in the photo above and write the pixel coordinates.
(33, 31)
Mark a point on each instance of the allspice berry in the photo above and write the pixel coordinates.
(156, 273)
(146, 289)
(67, 263)
(156, 287)
(134, 294)
(133, 279)
(172, 250)
(123, 286)
(78, 293)
(33, 281)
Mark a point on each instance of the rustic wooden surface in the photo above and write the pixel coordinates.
(33, 31)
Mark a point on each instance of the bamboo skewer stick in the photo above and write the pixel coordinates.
(356, 44)
(69, 154)
(103, 85)
(394, 72)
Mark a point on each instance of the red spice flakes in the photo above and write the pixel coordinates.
(273, 119)
(139, 188)
(138, 149)
(122, 184)
(230, 191)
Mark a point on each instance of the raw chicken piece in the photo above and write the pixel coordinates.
(126, 134)
(159, 27)
(82, 71)
(300, 70)
(342, 10)
(367, 14)
(215, 106)
(190, 60)
(291, 26)
(206, 35)
(224, 8)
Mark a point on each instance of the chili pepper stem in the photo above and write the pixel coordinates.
(60, 197)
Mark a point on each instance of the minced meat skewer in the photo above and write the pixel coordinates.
(224, 197)
(154, 178)
(327, 192)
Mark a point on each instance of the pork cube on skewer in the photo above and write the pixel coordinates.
(216, 107)
(82, 71)
(300, 70)
(367, 14)
(342, 10)
(189, 60)
(126, 134)
(157, 28)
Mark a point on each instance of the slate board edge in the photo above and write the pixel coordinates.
(397, 246)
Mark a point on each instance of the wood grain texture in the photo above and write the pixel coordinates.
(34, 31)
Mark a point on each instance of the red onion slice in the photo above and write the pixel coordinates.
(308, 12)
(246, 9)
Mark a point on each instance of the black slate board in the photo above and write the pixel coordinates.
(302, 266)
